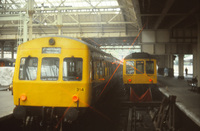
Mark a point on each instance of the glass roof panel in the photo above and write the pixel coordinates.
(90, 5)
(77, 3)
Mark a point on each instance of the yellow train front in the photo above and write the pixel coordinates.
(139, 72)
(58, 77)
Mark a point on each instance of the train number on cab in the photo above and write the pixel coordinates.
(80, 89)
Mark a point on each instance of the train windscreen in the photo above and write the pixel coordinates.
(149, 67)
(129, 67)
(28, 68)
(50, 69)
(139, 67)
(72, 69)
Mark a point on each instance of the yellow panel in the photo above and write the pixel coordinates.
(139, 78)
(52, 93)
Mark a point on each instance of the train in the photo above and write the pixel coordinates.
(6, 62)
(56, 78)
(139, 73)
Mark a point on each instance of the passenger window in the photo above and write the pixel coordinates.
(94, 70)
(72, 69)
(28, 68)
(140, 67)
(101, 69)
(149, 67)
(50, 69)
(98, 69)
(129, 67)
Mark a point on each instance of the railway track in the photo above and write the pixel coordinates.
(137, 117)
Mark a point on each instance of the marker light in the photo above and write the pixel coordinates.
(129, 80)
(23, 97)
(75, 98)
(150, 80)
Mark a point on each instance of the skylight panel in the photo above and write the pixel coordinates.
(79, 3)
(109, 3)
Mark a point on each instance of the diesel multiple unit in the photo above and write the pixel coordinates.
(59, 75)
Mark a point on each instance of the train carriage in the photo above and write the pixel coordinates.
(58, 73)
(139, 72)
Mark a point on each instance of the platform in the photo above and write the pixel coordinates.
(187, 100)
(6, 103)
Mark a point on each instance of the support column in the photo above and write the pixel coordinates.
(30, 25)
(2, 50)
(25, 28)
(12, 49)
(30, 4)
(59, 23)
(180, 65)
(198, 53)
(166, 69)
(161, 64)
(194, 60)
(170, 66)
(59, 29)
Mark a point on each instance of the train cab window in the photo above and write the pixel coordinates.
(72, 69)
(28, 68)
(129, 67)
(149, 67)
(139, 67)
(50, 69)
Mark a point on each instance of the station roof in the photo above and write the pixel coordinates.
(99, 19)
(76, 18)
(168, 14)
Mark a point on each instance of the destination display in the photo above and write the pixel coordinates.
(51, 50)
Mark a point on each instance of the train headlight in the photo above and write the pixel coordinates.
(23, 97)
(75, 98)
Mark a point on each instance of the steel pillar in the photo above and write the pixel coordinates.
(12, 49)
(2, 50)
(198, 52)
(59, 23)
(194, 60)
(170, 65)
(180, 65)
(30, 26)
(25, 28)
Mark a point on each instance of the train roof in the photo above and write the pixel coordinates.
(89, 45)
(141, 55)
(92, 48)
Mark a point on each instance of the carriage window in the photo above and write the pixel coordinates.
(28, 68)
(72, 69)
(140, 67)
(149, 67)
(102, 69)
(50, 69)
(129, 67)
(98, 69)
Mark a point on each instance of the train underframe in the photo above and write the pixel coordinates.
(51, 118)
